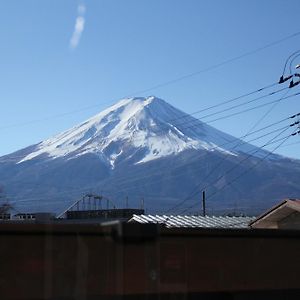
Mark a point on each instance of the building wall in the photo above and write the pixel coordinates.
(290, 222)
(4, 216)
(133, 262)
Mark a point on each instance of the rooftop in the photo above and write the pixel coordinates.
(271, 217)
(194, 221)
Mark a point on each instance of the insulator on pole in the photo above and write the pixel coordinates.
(292, 83)
(284, 79)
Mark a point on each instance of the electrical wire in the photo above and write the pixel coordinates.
(196, 189)
(242, 104)
(292, 62)
(245, 172)
(83, 190)
(252, 108)
(16, 157)
(125, 183)
(291, 144)
(166, 83)
(139, 178)
(287, 60)
(267, 112)
(71, 189)
(193, 120)
(192, 74)
(249, 131)
(225, 102)
(215, 66)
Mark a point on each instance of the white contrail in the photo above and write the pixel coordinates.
(79, 26)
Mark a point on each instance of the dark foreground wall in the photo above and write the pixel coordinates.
(131, 261)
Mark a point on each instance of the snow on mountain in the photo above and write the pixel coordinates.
(146, 148)
(149, 124)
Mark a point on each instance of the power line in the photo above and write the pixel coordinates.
(192, 120)
(242, 174)
(122, 182)
(163, 84)
(244, 103)
(129, 180)
(249, 132)
(179, 126)
(284, 139)
(5, 157)
(293, 60)
(51, 117)
(230, 108)
(291, 144)
(15, 157)
(267, 112)
(215, 66)
(196, 189)
(186, 115)
(236, 113)
(89, 189)
(242, 142)
(226, 101)
(252, 108)
(181, 117)
(287, 60)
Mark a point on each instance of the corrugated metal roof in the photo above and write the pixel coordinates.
(194, 221)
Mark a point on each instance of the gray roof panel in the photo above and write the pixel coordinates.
(194, 221)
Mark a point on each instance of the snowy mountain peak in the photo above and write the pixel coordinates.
(141, 129)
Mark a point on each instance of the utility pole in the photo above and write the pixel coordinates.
(126, 201)
(142, 203)
(203, 204)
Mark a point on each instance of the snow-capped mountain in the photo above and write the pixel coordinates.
(146, 148)
(147, 124)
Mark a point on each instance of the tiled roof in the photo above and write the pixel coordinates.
(194, 221)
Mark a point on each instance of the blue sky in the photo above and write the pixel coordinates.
(63, 61)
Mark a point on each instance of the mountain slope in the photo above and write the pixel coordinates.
(139, 123)
(144, 147)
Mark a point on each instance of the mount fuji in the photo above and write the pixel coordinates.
(146, 148)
